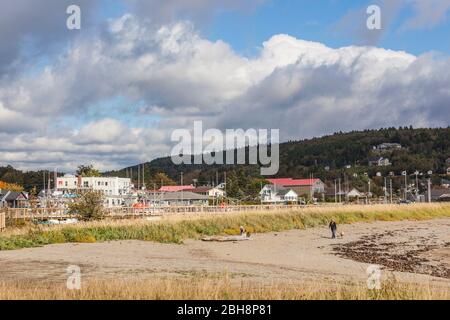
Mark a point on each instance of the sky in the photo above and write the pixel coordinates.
(112, 93)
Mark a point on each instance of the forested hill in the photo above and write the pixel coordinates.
(422, 150)
(326, 157)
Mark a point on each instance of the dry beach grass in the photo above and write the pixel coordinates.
(290, 258)
(175, 229)
(218, 288)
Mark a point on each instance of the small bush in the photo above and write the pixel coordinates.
(175, 231)
(85, 238)
(89, 206)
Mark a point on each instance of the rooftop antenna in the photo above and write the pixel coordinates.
(45, 192)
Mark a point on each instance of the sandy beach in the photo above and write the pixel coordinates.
(411, 251)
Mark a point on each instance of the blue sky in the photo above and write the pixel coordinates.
(316, 21)
(311, 20)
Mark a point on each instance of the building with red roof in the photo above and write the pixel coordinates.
(303, 187)
(176, 188)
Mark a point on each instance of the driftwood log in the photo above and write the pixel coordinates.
(227, 239)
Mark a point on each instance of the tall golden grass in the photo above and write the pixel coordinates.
(217, 288)
(175, 229)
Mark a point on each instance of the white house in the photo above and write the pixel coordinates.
(379, 162)
(110, 186)
(277, 194)
(388, 146)
(209, 191)
(354, 193)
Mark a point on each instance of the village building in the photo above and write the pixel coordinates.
(331, 192)
(118, 192)
(388, 146)
(110, 186)
(176, 188)
(445, 183)
(355, 193)
(379, 162)
(440, 194)
(182, 198)
(13, 199)
(211, 192)
(274, 194)
(303, 187)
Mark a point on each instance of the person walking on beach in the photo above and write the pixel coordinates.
(333, 227)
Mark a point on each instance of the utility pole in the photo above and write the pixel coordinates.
(390, 181)
(429, 190)
(182, 194)
(417, 184)
(49, 182)
(154, 196)
(406, 185)
(225, 185)
(347, 188)
(45, 191)
(260, 196)
(143, 176)
(217, 178)
(369, 195)
(385, 190)
(335, 191)
(55, 177)
(340, 191)
(139, 177)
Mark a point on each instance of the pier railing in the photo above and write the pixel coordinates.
(2, 220)
(124, 213)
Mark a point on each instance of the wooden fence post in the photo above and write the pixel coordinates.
(2, 221)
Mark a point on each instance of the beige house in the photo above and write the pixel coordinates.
(211, 192)
(302, 187)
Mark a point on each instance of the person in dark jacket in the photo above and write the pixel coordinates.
(333, 227)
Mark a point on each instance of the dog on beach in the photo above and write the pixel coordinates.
(341, 234)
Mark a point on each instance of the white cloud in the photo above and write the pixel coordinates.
(40, 25)
(101, 132)
(172, 76)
